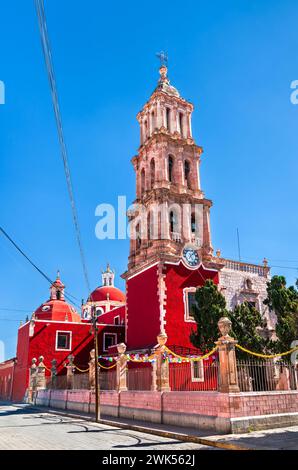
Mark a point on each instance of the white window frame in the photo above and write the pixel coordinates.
(70, 340)
(117, 316)
(201, 365)
(104, 340)
(186, 291)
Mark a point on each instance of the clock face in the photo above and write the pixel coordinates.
(191, 256)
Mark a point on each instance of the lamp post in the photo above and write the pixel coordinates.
(97, 400)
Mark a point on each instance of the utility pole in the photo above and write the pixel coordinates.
(97, 390)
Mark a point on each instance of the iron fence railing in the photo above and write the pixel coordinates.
(266, 375)
(194, 376)
(107, 379)
(253, 375)
(139, 378)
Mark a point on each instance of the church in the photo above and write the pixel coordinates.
(171, 255)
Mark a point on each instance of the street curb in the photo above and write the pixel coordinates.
(157, 432)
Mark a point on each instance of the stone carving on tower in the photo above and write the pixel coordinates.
(170, 217)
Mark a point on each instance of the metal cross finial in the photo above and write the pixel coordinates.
(163, 57)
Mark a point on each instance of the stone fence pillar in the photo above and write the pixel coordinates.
(92, 369)
(53, 373)
(41, 374)
(121, 368)
(228, 377)
(32, 380)
(160, 367)
(70, 372)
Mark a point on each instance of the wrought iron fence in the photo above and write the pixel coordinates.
(139, 378)
(253, 375)
(107, 379)
(266, 375)
(194, 376)
(58, 382)
(80, 381)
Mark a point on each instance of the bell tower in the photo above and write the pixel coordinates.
(170, 243)
(170, 210)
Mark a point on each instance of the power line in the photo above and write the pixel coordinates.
(39, 5)
(34, 265)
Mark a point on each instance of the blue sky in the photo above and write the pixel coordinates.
(234, 60)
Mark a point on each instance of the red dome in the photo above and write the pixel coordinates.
(57, 310)
(104, 293)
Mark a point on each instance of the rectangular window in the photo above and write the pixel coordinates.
(109, 339)
(191, 303)
(197, 371)
(63, 340)
(189, 297)
(117, 320)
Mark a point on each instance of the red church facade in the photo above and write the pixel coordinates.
(56, 331)
(171, 255)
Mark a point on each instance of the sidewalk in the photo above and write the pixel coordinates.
(272, 439)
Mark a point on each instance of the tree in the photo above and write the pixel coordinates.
(247, 322)
(283, 301)
(210, 305)
(248, 327)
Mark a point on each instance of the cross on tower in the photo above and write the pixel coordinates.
(163, 57)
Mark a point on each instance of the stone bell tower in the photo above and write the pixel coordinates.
(170, 246)
(170, 209)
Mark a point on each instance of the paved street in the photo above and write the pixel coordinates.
(25, 428)
(270, 439)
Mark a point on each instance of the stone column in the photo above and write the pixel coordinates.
(32, 380)
(121, 368)
(41, 374)
(70, 372)
(228, 377)
(160, 369)
(188, 125)
(92, 369)
(207, 246)
(53, 373)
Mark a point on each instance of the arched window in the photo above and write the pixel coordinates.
(152, 121)
(138, 236)
(181, 123)
(170, 167)
(193, 223)
(187, 173)
(58, 295)
(146, 129)
(149, 226)
(168, 118)
(172, 221)
(99, 311)
(152, 172)
(142, 181)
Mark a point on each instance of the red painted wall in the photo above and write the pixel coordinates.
(143, 317)
(177, 278)
(6, 379)
(43, 342)
(108, 317)
(21, 370)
